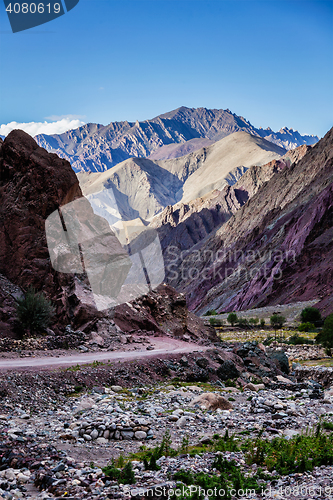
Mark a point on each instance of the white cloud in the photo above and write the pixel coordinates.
(54, 118)
(35, 128)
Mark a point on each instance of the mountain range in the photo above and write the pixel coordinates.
(242, 223)
(141, 187)
(96, 148)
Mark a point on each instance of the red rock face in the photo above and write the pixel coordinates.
(287, 226)
(33, 183)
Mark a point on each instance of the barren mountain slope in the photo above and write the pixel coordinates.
(182, 226)
(225, 162)
(276, 249)
(142, 188)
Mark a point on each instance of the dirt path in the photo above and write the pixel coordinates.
(162, 345)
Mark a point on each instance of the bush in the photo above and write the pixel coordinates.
(232, 318)
(123, 476)
(230, 383)
(253, 321)
(306, 327)
(216, 322)
(34, 311)
(297, 340)
(325, 337)
(311, 315)
(262, 322)
(243, 323)
(211, 312)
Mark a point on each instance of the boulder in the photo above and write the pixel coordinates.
(254, 387)
(202, 362)
(281, 360)
(211, 401)
(227, 370)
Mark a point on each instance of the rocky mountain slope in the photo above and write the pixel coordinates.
(277, 248)
(140, 187)
(33, 185)
(97, 148)
(183, 225)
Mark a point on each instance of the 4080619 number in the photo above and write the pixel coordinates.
(34, 8)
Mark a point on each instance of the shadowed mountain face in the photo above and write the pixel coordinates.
(277, 248)
(97, 148)
(140, 187)
(186, 225)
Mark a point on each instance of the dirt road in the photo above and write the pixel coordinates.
(162, 346)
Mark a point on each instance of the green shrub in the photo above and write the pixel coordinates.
(34, 311)
(306, 327)
(230, 383)
(151, 464)
(262, 322)
(123, 476)
(253, 321)
(311, 315)
(243, 322)
(328, 426)
(232, 318)
(216, 322)
(325, 337)
(297, 340)
(211, 312)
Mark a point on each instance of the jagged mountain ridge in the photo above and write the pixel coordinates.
(142, 187)
(97, 148)
(276, 249)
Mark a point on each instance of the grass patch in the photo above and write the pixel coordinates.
(229, 476)
(299, 454)
(317, 362)
(79, 367)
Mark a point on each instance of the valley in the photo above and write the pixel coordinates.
(120, 369)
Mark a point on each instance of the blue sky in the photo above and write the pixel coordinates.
(108, 60)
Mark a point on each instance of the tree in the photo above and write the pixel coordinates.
(232, 318)
(34, 311)
(325, 337)
(311, 315)
(277, 322)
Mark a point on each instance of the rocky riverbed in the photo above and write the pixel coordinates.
(55, 440)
